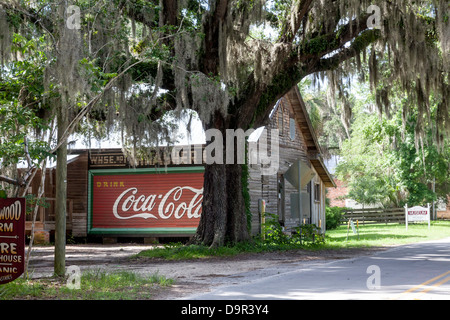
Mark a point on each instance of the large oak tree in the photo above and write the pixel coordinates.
(230, 61)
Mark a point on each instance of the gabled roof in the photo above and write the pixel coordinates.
(312, 144)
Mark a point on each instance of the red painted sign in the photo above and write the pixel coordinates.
(143, 201)
(12, 238)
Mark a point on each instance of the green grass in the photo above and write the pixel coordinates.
(386, 234)
(190, 252)
(375, 235)
(94, 285)
(178, 251)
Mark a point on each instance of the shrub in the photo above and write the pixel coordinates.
(302, 235)
(273, 230)
(333, 217)
(310, 233)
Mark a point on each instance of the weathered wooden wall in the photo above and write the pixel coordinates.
(77, 182)
(266, 186)
(77, 170)
(304, 147)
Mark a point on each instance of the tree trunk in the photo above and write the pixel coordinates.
(61, 195)
(236, 214)
(41, 192)
(213, 221)
(224, 218)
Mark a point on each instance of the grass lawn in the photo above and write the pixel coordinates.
(387, 234)
(374, 235)
(94, 285)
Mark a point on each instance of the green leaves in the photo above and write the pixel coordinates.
(383, 165)
(16, 123)
(23, 103)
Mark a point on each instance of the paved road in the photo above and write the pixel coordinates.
(415, 271)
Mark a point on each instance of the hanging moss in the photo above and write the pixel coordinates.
(364, 39)
(113, 37)
(281, 83)
(5, 38)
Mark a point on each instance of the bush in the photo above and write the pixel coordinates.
(310, 233)
(333, 217)
(273, 230)
(304, 235)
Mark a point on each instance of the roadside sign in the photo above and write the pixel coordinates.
(417, 213)
(352, 224)
(12, 239)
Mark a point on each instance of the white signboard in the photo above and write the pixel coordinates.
(417, 214)
(353, 226)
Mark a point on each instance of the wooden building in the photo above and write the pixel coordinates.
(156, 196)
(297, 142)
(77, 178)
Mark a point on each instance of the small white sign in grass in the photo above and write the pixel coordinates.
(416, 214)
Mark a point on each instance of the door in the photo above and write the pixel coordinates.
(281, 199)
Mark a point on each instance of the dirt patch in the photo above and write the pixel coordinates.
(191, 276)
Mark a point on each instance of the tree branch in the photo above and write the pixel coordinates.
(135, 10)
(19, 182)
(291, 30)
(327, 43)
(30, 14)
(86, 109)
(359, 43)
(297, 66)
(170, 12)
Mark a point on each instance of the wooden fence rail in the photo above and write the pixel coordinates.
(374, 215)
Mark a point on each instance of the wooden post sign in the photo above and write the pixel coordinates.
(417, 214)
(12, 238)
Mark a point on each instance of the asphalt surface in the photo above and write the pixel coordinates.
(419, 271)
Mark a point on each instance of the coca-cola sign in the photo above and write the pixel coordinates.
(142, 205)
(12, 238)
(145, 201)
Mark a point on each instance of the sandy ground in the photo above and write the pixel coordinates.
(192, 276)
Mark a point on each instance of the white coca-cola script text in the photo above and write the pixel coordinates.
(170, 204)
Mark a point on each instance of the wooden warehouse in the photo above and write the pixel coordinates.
(159, 195)
(297, 145)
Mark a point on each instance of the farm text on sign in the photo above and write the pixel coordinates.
(12, 238)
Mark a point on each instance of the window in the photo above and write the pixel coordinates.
(317, 192)
(292, 128)
(281, 197)
(280, 119)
